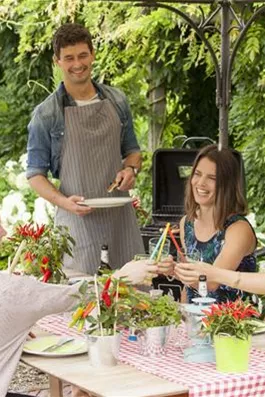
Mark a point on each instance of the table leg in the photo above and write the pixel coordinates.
(56, 387)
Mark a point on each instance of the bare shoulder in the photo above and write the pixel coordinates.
(182, 222)
(243, 232)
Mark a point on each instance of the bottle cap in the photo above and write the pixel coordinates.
(104, 247)
(132, 338)
(202, 277)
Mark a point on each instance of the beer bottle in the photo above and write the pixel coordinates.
(104, 266)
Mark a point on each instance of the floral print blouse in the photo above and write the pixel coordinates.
(209, 251)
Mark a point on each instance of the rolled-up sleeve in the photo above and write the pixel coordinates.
(129, 142)
(39, 146)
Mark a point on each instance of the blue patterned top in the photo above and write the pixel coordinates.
(209, 251)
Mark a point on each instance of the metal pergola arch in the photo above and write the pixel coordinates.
(223, 68)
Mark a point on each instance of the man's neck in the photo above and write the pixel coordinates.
(81, 92)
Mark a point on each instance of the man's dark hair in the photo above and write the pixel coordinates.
(71, 34)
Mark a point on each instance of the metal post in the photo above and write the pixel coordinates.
(225, 55)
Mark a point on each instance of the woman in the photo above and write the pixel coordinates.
(215, 223)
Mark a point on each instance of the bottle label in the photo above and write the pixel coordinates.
(202, 290)
(104, 257)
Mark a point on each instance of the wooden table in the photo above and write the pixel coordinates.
(119, 381)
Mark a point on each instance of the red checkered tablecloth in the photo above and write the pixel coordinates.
(202, 379)
(57, 324)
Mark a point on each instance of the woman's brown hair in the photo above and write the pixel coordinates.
(229, 198)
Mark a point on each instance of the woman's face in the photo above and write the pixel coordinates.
(203, 182)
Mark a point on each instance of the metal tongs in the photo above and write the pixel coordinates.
(113, 186)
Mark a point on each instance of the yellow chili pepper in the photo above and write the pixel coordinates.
(76, 316)
(81, 323)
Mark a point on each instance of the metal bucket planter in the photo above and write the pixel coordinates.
(154, 341)
(103, 350)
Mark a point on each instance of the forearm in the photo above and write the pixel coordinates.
(48, 191)
(249, 282)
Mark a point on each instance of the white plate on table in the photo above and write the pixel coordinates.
(106, 202)
(36, 347)
(74, 280)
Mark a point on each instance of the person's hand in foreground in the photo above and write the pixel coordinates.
(137, 271)
(189, 273)
(166, 266)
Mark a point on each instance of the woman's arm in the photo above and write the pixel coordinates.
(250, 282)
(239, 242)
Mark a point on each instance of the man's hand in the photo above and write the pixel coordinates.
(126, 178)
(77, 209)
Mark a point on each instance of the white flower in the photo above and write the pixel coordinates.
(43, 210)
(21, 181)
(11, 178)
(23, 160)
(10, 165)
(13, 210)
(252, 220)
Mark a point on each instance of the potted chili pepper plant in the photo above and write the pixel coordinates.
(231, 325)
(103, 309)
(38, 250)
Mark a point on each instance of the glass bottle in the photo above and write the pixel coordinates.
(104, 260)
(202, 288)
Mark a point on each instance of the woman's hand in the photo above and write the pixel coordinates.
(189, 273)
(166, 267)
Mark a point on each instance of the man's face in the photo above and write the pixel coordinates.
(76, 63)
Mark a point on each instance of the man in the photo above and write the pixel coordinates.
(83, 134)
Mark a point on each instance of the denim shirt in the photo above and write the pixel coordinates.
(46, 129)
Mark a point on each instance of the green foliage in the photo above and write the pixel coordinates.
(138, 48)
(160, 311)
(247, 116)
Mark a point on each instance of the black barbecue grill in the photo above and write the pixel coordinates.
(171, 168)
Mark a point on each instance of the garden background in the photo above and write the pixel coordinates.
(161, 65)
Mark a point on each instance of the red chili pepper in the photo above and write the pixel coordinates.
(45, 260)
(47, 275)
(29, 256)
(106, 298)
(107, 284)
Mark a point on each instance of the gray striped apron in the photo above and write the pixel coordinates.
(90, 160)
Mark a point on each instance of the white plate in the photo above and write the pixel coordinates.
(203, 301)
(74, 280)
(36, 347)
(106, 202)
